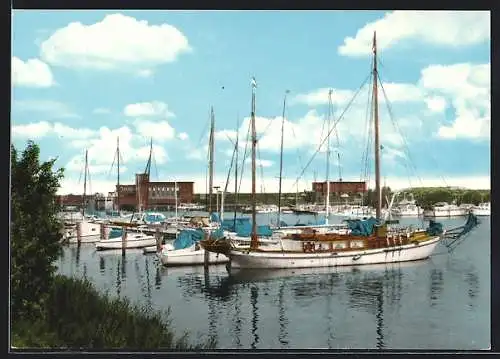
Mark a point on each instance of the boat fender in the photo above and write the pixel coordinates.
(356, 257)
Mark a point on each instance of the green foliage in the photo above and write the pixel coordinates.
(78, 316)
(35, 230)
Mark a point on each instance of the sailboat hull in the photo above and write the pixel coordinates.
(282, 260)
(191, 256)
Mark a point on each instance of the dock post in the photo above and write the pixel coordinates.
(102, 231)
(124, 240)
(79, 233)
(158, 240)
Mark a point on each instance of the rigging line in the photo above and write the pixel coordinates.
(405, 144)
(267, 127)
(81, 172)
(334, 124)
(366, 133)
(245, 154)
(203, 132)
(262, 186)
(112, 165)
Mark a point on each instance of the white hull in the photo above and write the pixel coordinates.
(281, 260)
(191, 256)
(87, 231)
(445, 213)
(86, 239)
(133, 241)
(481, 212)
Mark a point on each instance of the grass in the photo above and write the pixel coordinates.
(77, 317)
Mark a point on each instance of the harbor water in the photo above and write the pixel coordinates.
(439, 303)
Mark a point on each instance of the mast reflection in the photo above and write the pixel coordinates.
(254, 293)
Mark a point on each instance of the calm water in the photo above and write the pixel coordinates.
(439, 303)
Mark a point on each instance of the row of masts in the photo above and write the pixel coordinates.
(254, 145)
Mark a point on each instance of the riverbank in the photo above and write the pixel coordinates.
(77, 316)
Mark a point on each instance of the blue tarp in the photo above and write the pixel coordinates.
(217, 234)
(186, 238)
(361, 227)
(228, 224)
(245, 230)
(214, 217)
(154, 217)
(115, 233)
(434, 229)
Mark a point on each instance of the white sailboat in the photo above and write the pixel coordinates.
(443, 209)
(84, 230)
(134, 240)
(378, 244)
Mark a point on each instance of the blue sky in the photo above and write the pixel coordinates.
(82, 78)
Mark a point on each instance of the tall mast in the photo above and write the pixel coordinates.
(148, 164)
(281, 155)
(85, 183)
(327, 206)
(118, 173)
(211, 160)
(253, 243)
(236, 172)
(378, 189)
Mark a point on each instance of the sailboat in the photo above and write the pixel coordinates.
(83, 231)
(185, 250)
(368, 242)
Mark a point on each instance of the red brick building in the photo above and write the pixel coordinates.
(154, 194)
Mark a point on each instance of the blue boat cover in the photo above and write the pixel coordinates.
(245, 230)
(229, 224)
(434, 229)
(214, 217)
(154, 217)
(187, 237)
(361, 227)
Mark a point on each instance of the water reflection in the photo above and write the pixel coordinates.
(436, 282)
(254, 294)
(283, 321)
(102, 265)
(344, 307)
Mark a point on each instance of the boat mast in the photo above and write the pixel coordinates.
(118, 174)
(85, 183)
(281, 156)
(253, 243)
(327, 209)
(211, 160)
(378, 189)
(236, 173)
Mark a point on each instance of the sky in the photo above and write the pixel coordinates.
(81, 79)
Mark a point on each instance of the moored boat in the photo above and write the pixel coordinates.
(133, 240)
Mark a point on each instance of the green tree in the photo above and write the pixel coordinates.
(35, 231)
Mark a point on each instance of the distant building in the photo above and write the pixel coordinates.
(147, 195)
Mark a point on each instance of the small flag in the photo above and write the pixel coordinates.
(381, 147)
(254, 83)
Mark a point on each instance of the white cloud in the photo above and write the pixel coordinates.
(31, 130)
(320, 97)
(260, 163)
(67, 132)
(436, 103)
(51, 108)
(183, 136)
(443, 28)
(159, 154)
(101, 111)
(32, 73)
(145, 73)
(468, 87)
(44, 128)
(154, 108)
(160, 130)
(118, 42)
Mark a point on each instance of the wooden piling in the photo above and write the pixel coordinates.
(102, 231)
(124, 240)
(79, 233)
(158, 239)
